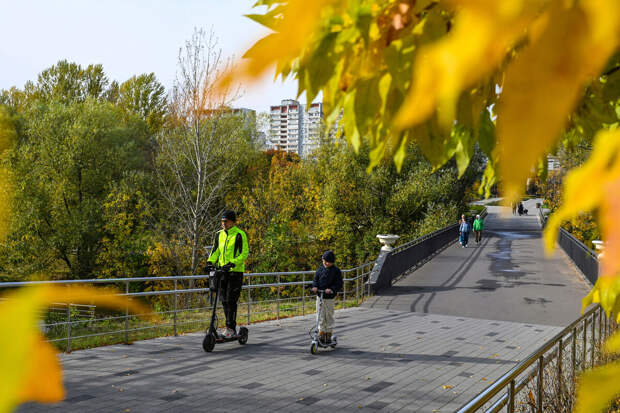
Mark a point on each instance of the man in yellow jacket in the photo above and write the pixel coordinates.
(229, 253)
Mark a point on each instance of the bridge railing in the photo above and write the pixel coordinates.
(183, 304)
(545, 380)
(584, 258)
(393, 264)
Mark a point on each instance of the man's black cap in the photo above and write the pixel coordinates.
(329, 256)
(229, 215)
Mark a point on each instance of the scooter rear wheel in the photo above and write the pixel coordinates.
(334, 342)
(243, 335)
(314, 348)
(208, 343)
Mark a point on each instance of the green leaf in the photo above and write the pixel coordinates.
(319, 67)
(437, 146)
(465, 143)
(384, 87)
(399, 58)
(367, 99)
(486, 133)
(489, 177)
(376, 155)
(363, 21)
(350, 127)
(401, 153)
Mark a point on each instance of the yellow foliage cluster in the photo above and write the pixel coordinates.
(29, 367)
(408, 70)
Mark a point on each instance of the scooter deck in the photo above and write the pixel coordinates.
(333, 343)
(221, 339)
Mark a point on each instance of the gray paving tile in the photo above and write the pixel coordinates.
(308, 400)
(252, 385)
(173, 397)
(378, 386)
(80, 398)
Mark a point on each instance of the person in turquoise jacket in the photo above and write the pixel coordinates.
(478, 227)
(229, 253)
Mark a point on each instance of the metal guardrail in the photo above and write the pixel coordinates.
(433, 234)
(408, 255)
(584, 258)
(274, 294)
(183, 300)
(554, 362)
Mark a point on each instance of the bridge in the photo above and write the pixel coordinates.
(429, 343)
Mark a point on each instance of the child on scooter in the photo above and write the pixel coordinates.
(328, 278)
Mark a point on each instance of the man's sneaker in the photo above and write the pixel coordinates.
(229, 333)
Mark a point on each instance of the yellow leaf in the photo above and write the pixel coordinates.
(482, 34)
(585, 188)
(609, 218)
(293, 25)
(43, 380)
(544, 83)
(597, 388)
(612, 344)
(606, 292)
(596, 184)
(446, 386)
(29, 369)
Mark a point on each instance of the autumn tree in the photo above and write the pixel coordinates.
(199, 149)
(68, 82)
(146, 97)
(66, 160)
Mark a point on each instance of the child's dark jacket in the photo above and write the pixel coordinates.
(325, 278)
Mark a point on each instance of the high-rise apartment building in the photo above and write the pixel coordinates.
(285, 126)
(294, 127)
(311, 128)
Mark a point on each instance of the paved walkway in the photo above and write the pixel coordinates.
(388, 361)
(429, 344)
(507, 277)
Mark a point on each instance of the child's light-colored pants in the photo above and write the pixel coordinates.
(326, 323)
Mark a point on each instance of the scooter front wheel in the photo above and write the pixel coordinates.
(314, 348)
(243, 335)
(208, 343)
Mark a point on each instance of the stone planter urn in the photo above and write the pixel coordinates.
(388, 241)
(599, 246)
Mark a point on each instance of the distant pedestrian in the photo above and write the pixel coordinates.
(463, 231)
(514, 208)
(478, 227)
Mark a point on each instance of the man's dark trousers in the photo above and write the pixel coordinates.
(230, 290)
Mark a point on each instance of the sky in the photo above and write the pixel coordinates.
(128, 37)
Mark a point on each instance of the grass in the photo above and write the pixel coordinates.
(476, 209)
(188, 321)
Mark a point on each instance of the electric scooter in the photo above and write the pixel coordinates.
(316, 343)
(212, 335)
